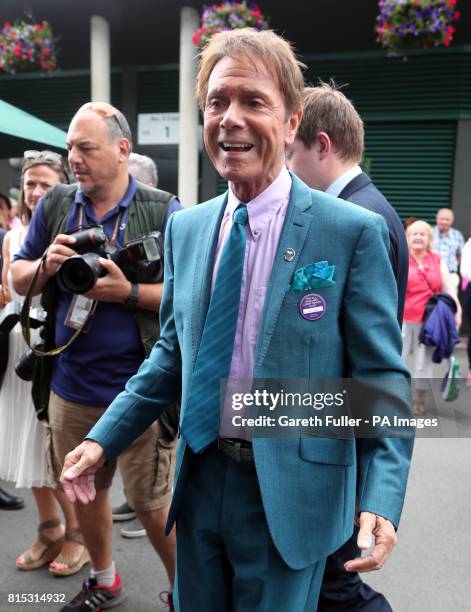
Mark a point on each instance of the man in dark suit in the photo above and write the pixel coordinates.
(326, 155)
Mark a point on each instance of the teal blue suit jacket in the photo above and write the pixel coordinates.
(310, 485)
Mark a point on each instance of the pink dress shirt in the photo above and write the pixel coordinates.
(266, 217)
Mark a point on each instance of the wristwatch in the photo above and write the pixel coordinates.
(131, 301)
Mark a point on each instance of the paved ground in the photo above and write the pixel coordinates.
(428, 572)
(138, 565)
(429, 569)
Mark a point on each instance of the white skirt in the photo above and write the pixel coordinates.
(22, 436)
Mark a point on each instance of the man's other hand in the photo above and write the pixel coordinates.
(78, 474)
(113, 287)
(385, 540)
(59, 250)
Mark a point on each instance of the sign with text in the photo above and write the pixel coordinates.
(158, 128)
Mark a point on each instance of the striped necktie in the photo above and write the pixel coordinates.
(200, 423)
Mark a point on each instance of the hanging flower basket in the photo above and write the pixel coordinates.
(403, 25)
(228, 16)
(26, 46)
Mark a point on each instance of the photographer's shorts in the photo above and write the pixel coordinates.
(147, 466)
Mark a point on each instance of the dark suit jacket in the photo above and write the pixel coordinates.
(362, 191)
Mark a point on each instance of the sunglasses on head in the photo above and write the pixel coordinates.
(105, 110)
(48, 157)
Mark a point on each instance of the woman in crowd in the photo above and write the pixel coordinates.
(8, 218)
(22, 436)
(465, 270)
(428, 275)
(5, 207)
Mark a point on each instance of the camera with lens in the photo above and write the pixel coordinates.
(25, 365)
(139, 259)
(9, 316)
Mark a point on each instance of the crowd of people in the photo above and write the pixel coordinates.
(120, 387)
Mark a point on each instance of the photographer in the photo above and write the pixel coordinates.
(121, 329)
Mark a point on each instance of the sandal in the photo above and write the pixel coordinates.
(71, 535)
(53, 548)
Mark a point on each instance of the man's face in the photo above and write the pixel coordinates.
(306, 164)
(93, 159)
(444, 220)
(246, 125)
(36, 181)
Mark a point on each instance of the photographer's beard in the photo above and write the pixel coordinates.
(90, 185)
(87, 185)
(87, 189)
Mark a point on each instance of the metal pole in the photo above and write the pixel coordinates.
(100, 59)
(188, 146)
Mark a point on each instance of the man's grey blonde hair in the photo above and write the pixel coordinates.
(275, 52)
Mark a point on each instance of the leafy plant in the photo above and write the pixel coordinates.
(407, 24)
(27, 46)
(228, 16)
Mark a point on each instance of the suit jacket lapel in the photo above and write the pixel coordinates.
(203, 271)
(358, 182)
(293, 235)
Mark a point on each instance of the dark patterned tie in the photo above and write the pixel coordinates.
(200, 424)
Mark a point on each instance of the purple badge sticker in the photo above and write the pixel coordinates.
(312, 307)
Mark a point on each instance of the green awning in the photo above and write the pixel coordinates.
(18, 123)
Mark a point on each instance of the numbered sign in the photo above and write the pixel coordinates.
(158, 128)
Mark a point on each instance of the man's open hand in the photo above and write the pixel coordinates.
(78, 474)
(385, 540)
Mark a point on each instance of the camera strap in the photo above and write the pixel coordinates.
(24, 316)
(114, 235)
(24, 319)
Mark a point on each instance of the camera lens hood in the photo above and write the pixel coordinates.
(79, 273)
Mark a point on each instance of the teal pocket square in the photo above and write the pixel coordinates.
(313, 276)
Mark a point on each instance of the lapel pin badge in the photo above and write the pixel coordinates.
(289, 254)
(312, 307)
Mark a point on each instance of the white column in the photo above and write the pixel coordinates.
(100, 59)
(188, 146)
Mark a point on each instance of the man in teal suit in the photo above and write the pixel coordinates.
(256, 516)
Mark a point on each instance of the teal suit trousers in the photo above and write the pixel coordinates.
(226, 559)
